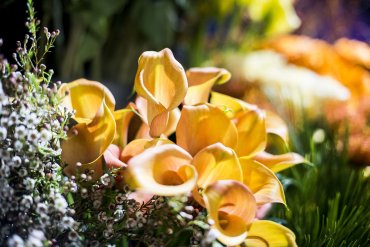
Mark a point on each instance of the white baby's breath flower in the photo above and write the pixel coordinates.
(35, 239)
(3, 133)
(29, 183)
(13, 118)
(16, 161)
(18, 145)
(20, 132)
(67, 222)
(15, 241)
(45, 135)
(33, 135)
(4, 121)
(41, 208)
(27, 201)
(60, 204)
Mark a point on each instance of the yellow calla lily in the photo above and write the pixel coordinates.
(138, 146)
(201, 81)
(215, 162)
(203, 125)
(95, 129)
(86, 143)
(279, 162)
(264, 233)
(262, 182)
(173, 119)
(250, 123)
(161, 80)
(110, 157)
(235, 107)
(275, 125)
(163, 170)
(232, 208)
(252, 133)
(122, 118)
(85, 97)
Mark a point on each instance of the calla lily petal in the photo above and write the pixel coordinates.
(215, 162)
(236, 106)
(262, 182)
(276, 125)
(203, 125)
(122, 118)
(138, 146)
(164, 170)
(85, 97)
(264, 233)
(201, 81)
(232, 207)
(87, 142)
(142, 107)
(279, 162)
(110, 158)
(252, 133)
(161, 80)
(173, 120)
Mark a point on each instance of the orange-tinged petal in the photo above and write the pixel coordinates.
(252, 135)
(276, 125)
(173, 119)
(138, 146)
(112, 157)
(232, 207)
(87, 142)
(203, 125)
(122, 118)
(215, 162)
(201, 81)
(161, 80)
(164, 170)
(235, 106)
(279, 162)
(264, 233)
(85, 97)
(265, 186)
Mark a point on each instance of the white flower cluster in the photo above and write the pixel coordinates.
(33, 210)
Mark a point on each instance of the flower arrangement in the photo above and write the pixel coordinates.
(205, 163)
(181, 165)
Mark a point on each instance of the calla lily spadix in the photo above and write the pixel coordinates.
(161, 80)
(201, 81)
(232, 208)
(163, 170)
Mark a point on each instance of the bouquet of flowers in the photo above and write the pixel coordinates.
(179, 166)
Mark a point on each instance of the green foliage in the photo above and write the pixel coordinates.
(328, 203)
